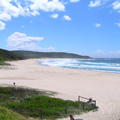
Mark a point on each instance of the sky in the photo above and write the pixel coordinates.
(85, 27)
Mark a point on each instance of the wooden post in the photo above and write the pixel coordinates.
(83, 105)
(65, 110)
(95, 103)
(41, 114)
(13, 108)
(79, 98)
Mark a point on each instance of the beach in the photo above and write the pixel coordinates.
(69, 84)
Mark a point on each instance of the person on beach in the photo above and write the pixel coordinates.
(90, 100)
(71, 117)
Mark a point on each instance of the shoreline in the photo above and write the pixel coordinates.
(69, 84)
(103, 71)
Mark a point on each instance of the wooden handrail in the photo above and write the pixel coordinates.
(92, 101)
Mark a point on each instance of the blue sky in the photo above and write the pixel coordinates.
(86, 27)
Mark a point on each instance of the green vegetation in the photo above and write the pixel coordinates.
(37, 104)
(6, 114)
(1, 60)
(2, 63)
(30, 54)
(7, 55)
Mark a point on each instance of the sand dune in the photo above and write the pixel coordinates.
(69, 84)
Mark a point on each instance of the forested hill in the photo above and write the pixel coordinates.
(8, 55)
(31, 54)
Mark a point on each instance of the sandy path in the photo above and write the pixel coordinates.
(69, 83)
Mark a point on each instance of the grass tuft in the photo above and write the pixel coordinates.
(37, 104)
(6, 114)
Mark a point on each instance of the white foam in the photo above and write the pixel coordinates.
(83, 64)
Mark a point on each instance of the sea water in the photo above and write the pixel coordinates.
(103, 65)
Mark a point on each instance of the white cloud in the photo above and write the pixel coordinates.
(9, 10)
(54, 15)
(15, 8)
(34, 13)
(2, 25)
(46, 5)
(97, 25)
(66, 17)
(73, 1)
(49, 49)
(95, 3)
(20, 41)
(104, 54)
(116, 5)
(5, 17)
(118, 24)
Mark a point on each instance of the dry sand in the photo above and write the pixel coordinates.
(69, 83)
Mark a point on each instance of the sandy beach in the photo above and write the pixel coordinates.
(69, 84)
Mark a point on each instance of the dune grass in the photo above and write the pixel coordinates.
(6, 114)
(37, 104)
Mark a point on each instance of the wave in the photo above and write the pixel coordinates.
(104, 65)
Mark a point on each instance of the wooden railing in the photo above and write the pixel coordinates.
(88, 101)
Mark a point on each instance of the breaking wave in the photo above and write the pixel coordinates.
(103, 65)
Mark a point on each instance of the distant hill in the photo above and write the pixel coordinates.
(31, 54)
(8, 55)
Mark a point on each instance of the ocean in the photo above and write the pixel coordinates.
(103, 65)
